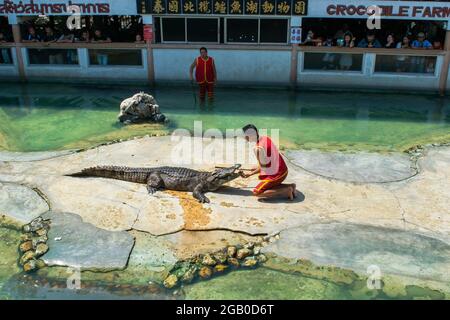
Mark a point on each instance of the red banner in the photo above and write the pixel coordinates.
(148, 32)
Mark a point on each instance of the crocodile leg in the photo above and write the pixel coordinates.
(154, 182)
(199, 195)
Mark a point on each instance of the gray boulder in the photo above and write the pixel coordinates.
(140, 108)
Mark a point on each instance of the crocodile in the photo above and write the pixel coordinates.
(170, 178)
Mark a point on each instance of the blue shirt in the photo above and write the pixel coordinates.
(423, 44)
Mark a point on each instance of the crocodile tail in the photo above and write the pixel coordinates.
(111, 172)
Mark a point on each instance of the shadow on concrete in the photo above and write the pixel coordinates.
(247, 192)
(300, 197)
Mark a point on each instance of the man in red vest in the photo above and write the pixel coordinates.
(271, 170)
(205, 73)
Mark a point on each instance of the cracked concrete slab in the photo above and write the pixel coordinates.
(357, 247)
(418, 204)
(75, 243)
(361, 167)
(21, 203)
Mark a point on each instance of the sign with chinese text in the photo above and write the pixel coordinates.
(224, 7)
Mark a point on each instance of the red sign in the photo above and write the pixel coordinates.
(148, 32)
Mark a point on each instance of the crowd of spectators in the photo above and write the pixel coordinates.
(344, 38)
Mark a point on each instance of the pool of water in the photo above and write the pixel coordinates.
(39, 117)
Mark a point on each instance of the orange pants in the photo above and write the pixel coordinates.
(269, 183)
(206, 87)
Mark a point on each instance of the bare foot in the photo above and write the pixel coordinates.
(290, 194)
(294, 190)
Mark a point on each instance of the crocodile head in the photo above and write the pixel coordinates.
(220, 176)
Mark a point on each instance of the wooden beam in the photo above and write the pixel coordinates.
(150, 64)
(445, 65)
(20, 64)
(294, 66)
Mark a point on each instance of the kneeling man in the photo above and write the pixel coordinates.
(272, 169)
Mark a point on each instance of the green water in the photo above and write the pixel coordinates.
(39, 117)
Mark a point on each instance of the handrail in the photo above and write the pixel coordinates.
(126, 45)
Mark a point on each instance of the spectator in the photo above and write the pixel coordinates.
(346, 59)
(139, 39)
(54, 56)
(328, 58)
(390, 42)
(102, 59)
(66, 37)
(437, 45)
(84, 37)
(5, 52)
(421, 43)
(402, 61)
(100, 37)
(341, 33)
(50, 35)
(310, 39)
(32, 36)
(370, 41)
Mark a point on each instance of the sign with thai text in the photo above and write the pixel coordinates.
(62, 7)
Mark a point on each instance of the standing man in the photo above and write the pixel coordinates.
(272, 169)
(205, 73)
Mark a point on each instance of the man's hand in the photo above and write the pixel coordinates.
(243, 174)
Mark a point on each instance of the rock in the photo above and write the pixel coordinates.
(249, 245)
(21, 203)
(250, 262)
(220, 268)
(27, 256)
(139, 108)
(40, 264)
(26, 246)
(261, 258)
(30, 266)
(231, 251)
(84, 245)
(208, 260)
(233, 262)
(41, 249)
(256, 250)
(205, 272)
(242, 253)
(220, 257)
(171, 281)
(37, 240)
(26, 237)
(41, 232)
(189, 275)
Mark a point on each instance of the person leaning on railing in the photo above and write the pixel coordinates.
(5, 52)
(99, 37)
(402, 61)
(419, 63)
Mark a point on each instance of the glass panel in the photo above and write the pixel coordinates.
(274, 30)
(53, 56)
(115, 57)
(173, 29)
(5, 56)
(405, 64)
(242, 30)
(333, 61)
(202, 30)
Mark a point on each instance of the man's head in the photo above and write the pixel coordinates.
(98, 32)
(421, 36)
(49, 30)
(203, 52)
(251, 133)
(31, 31)
(370, 36)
